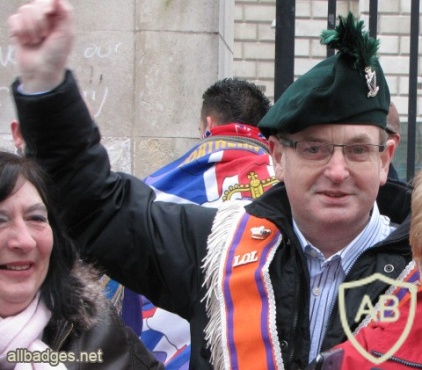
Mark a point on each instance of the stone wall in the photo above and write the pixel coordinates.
(142, 66)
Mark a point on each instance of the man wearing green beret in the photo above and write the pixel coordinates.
(258, 282)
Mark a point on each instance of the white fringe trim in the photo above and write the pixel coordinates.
(225, 223)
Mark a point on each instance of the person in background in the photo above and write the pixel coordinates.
(232, 161)
(258, 282)
(393, 131)
(49, 299)
(232, 100)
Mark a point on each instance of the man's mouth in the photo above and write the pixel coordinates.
(334, 195)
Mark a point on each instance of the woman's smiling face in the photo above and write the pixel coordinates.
(26, 242)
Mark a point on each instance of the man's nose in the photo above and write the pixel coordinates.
(337, 168)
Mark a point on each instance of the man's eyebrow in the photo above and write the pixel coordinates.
(312, 138)
(359, 138)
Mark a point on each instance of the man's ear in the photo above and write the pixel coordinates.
(17, 135)
(210, 123)
(276, 151)
(396, 138)
(386, 158)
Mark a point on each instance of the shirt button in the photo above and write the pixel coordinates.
(284, 344)
(314, 253)
(388, 268)
(316, 291)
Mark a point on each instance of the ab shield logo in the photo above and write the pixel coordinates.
(385, 311)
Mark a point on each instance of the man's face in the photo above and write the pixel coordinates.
(336, 192)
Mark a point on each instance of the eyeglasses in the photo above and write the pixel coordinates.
(316, 151)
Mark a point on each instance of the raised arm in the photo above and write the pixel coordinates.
(152, 248)
(42, 32)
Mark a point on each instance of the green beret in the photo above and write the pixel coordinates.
(348, 87)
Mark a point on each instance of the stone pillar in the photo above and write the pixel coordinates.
(182, 47)
(142, 66)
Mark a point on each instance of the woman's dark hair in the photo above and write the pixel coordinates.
(61, 288)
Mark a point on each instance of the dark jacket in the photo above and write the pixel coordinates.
(157, 248)
(109, 344)
(96, 338)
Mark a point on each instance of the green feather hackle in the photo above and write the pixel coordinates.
(350, 39)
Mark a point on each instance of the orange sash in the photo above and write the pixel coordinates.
(244, 326)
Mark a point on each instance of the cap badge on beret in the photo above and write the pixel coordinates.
(371, 82)
(350, 39)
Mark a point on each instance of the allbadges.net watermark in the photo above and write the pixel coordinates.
(23, 355)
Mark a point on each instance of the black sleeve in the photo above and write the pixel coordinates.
(151, 247)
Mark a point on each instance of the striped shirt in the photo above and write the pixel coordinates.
(326, 274)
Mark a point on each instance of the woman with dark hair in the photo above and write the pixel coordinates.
(53, 314)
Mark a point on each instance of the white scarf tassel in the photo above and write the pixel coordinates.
(215, 332)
